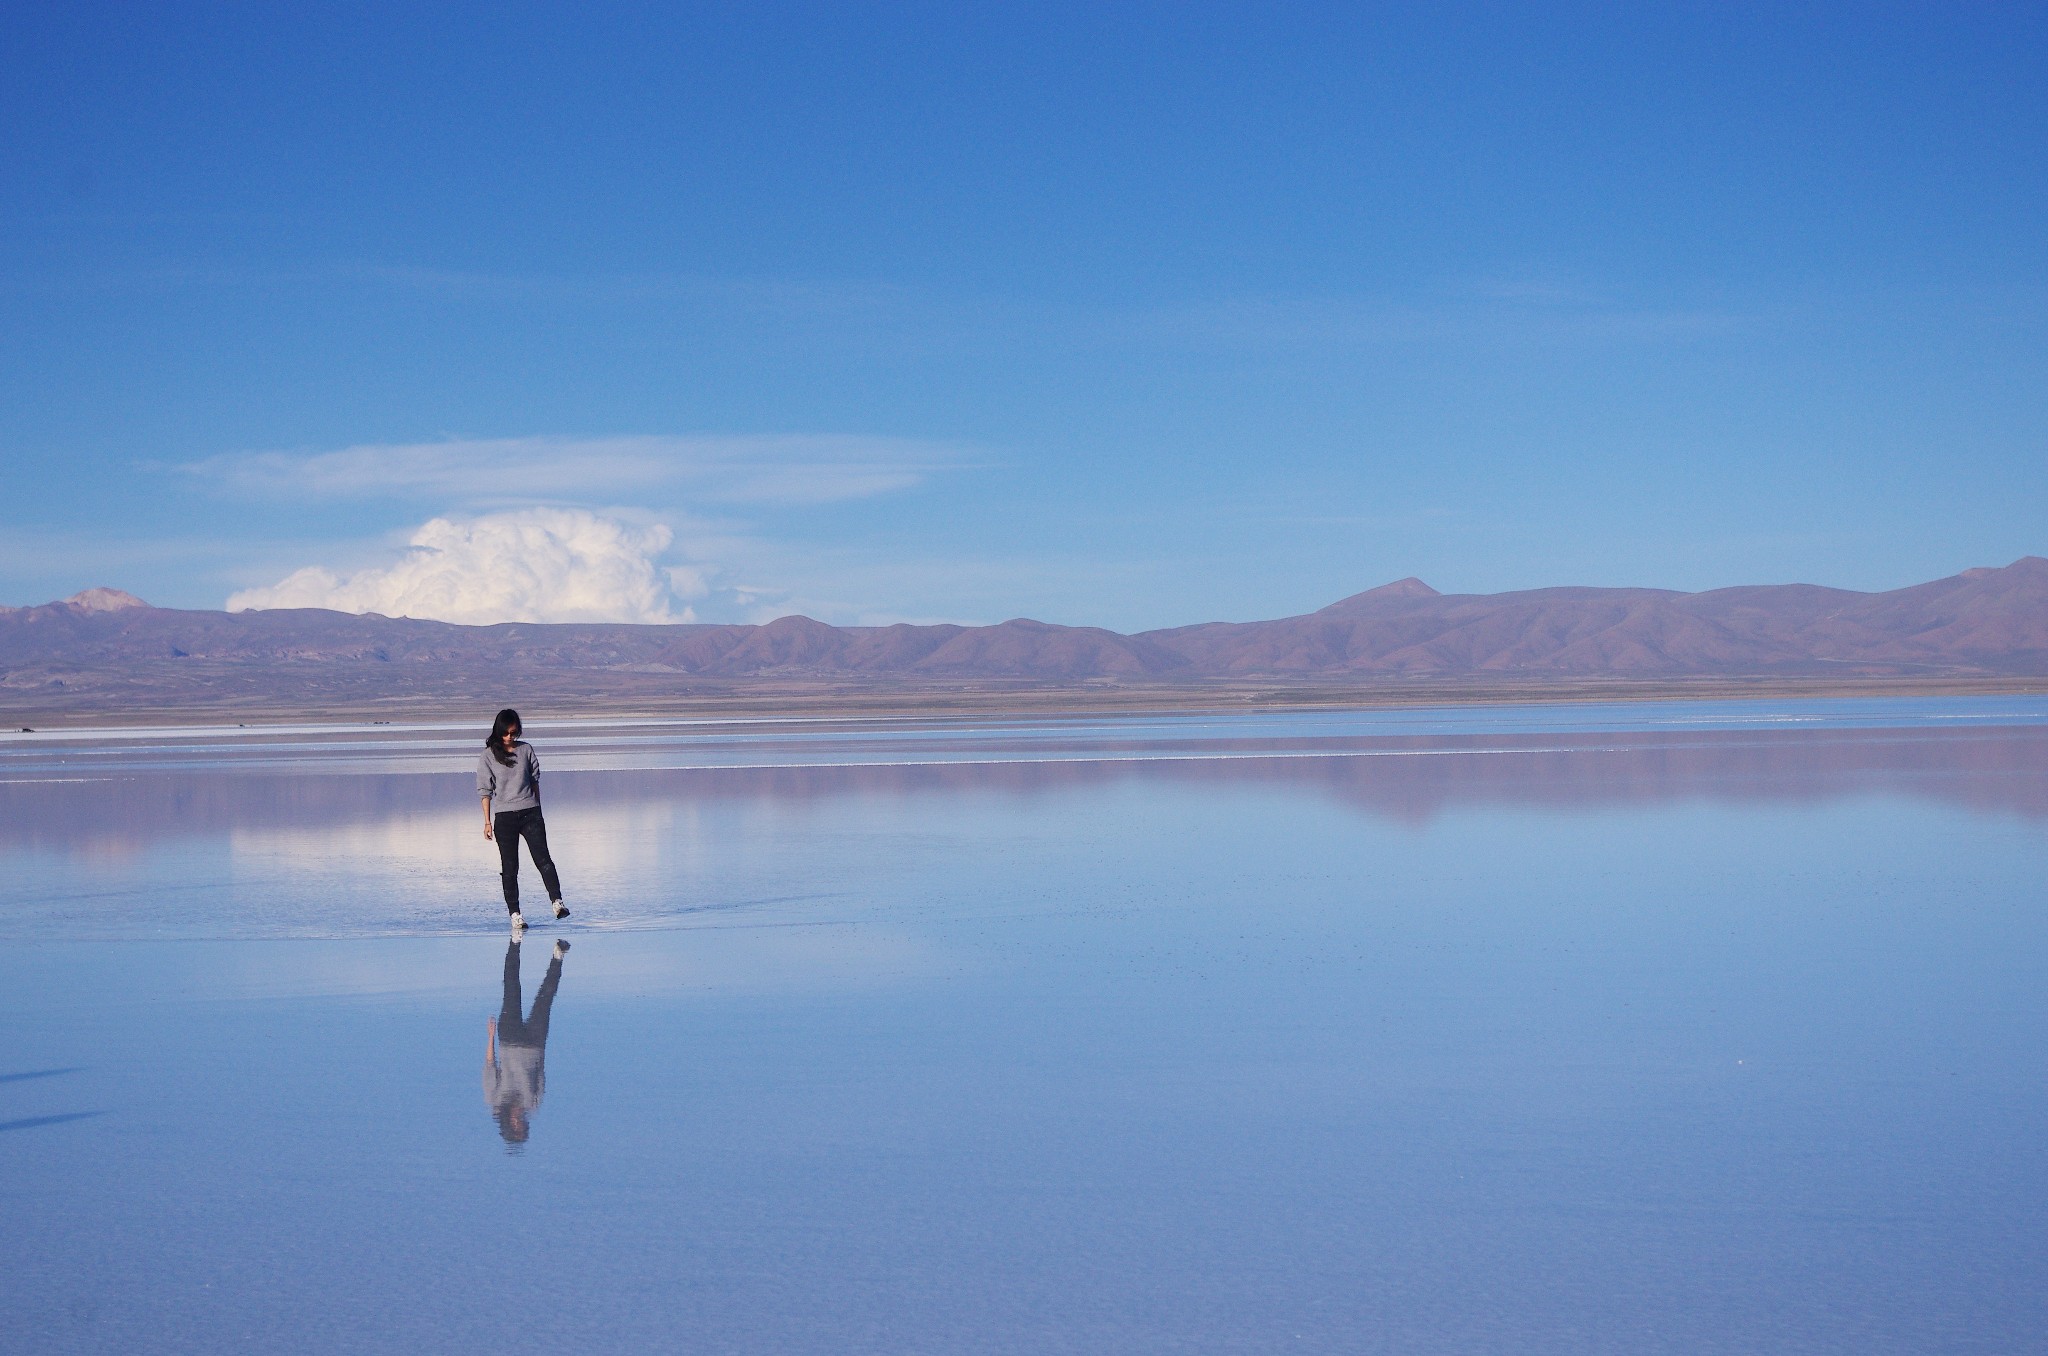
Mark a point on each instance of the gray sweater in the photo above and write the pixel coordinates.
(515, 1077)
(510, 788)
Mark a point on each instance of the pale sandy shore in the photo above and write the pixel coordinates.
(554, 694)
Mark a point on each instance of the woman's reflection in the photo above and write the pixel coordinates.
(514, 1077)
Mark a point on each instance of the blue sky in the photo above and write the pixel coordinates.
(1125, 315)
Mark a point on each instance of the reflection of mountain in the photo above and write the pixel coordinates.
(102, 647)
(1998, 772)
(1405, 779)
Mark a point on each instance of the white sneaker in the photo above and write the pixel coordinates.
(518, 921)
(561, 909)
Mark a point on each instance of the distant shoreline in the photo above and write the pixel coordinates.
(546, 695)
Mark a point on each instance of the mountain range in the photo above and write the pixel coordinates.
(1980, 623)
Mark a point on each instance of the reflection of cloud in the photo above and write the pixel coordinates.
(626, 864)
(539, 565)
(764, 469)
(210, 840)
(646, 867)
(425, 851)
(446, 847)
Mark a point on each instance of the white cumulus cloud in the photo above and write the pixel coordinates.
(534, 565)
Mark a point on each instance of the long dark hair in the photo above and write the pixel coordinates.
(495, 740)
(512, 1124)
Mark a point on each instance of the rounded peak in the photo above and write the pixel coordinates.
(1410, 589)
(2026, 567)
(103, 600)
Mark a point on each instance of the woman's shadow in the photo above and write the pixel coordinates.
(515, 1075)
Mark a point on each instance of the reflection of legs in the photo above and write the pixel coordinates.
(543, 1003)
(535, 830)
(506, 830)
(508, 1012)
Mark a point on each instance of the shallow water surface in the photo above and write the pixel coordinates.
(1646, 1028)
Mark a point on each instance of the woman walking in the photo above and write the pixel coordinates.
(508, 774)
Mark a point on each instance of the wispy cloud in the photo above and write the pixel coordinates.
(766, 469)
(1489, 314)
(530, 529)
(769, 295)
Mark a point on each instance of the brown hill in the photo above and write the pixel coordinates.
(1980, 623)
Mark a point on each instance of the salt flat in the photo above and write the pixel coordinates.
(1660, 1027)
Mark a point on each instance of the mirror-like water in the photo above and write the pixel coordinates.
(1687, 1028)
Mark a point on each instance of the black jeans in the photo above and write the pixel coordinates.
(531, 1030)
(508, 828)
